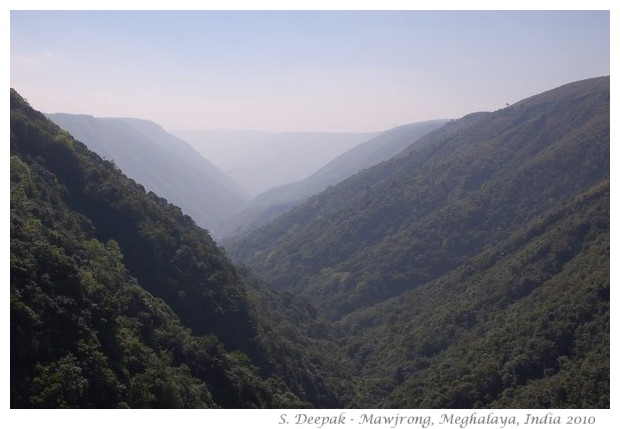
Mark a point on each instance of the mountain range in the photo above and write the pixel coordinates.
(163, 163)
(472, 269)
(118, 299)
(260, 160)
(269, 205)
(469, 270)
(456, 191)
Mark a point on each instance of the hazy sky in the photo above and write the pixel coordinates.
(298, 70)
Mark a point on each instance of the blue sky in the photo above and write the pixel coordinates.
(299, 70)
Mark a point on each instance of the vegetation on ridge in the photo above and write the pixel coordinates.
(118, 299)
(460, 189)
(471, 271)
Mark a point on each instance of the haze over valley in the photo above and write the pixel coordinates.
(260, 161)
(324, 209)
(163, 163)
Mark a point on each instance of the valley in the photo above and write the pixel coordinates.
(459, 263)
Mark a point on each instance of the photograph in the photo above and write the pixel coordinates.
(364, 217)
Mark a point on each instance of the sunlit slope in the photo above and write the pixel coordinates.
(269, 205)
(422, 214)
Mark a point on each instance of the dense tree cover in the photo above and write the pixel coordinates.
(85, 334)
(163, 249)
(525, 324)
(298, 345)
(162, 163)
(473, 269)
(458, 190)
(119, 300)
(470, 271)
(270, 204)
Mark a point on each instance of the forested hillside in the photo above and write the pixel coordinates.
(524, 324)
(452, 195)
(119, 300)
(269, 205)
(162, 163)
(472, 270)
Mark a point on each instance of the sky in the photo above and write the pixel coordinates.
(306, 70)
